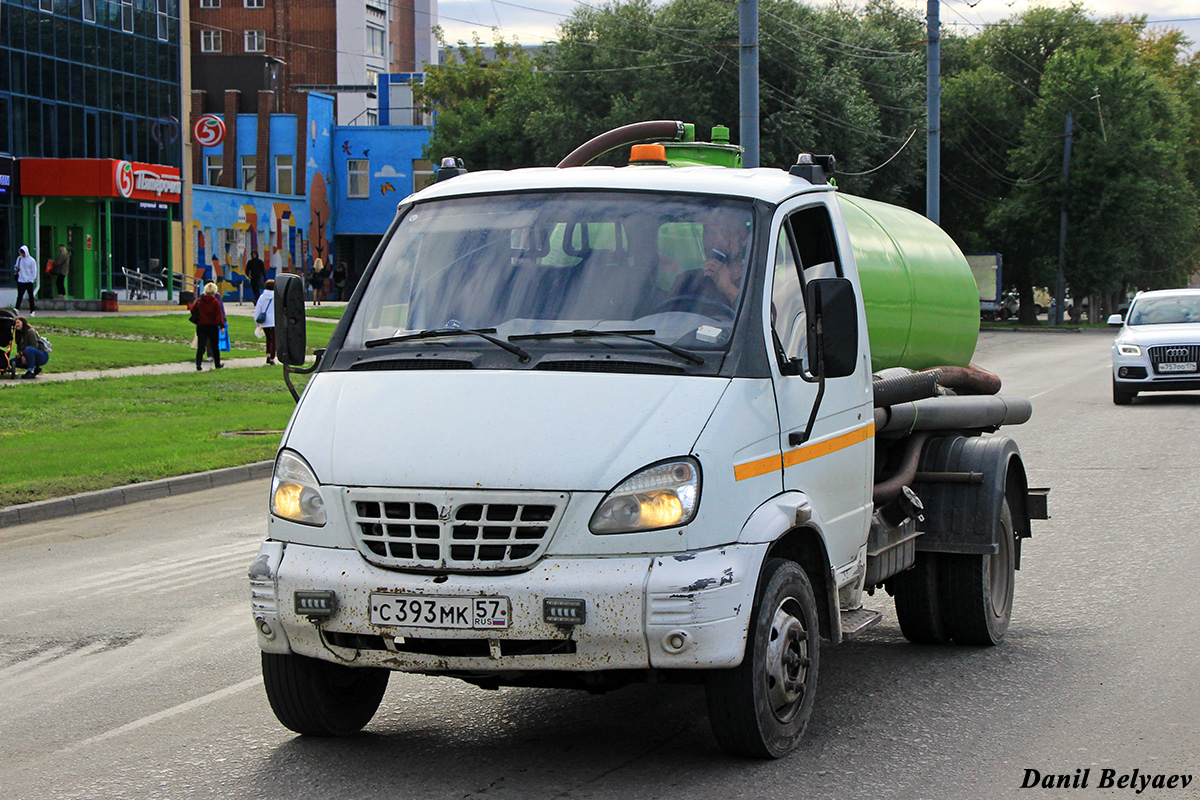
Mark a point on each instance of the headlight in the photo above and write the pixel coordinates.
(664, 495)
(1129, 349)
(295, 493)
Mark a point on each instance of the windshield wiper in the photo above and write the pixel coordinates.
(438, 333)
(638, 335)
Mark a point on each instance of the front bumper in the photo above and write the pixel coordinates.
(678, 611)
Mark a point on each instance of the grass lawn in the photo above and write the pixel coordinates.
(76, 436)
(87, 343)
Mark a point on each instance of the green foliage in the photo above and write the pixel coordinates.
(1131, 206)
(75, 436)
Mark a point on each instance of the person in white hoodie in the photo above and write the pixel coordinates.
(264, 315)
(26, 278)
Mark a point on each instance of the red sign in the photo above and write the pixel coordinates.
(100, 177)
(89, 241)
(209, 130)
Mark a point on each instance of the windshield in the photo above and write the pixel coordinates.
(1165, 310)
(663, 267)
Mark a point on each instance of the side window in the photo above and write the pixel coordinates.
(806, 249)
(787, 300)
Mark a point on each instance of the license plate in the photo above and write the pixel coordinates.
(424, 611)
(1178, 366)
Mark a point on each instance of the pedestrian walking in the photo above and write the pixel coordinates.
(264, 315)
(256, 271)
(60, 268)
(316, 279)
(32, 351)
(339, 281)
(26, 278)
(209, 316)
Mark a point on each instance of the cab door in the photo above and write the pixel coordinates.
(829, 455)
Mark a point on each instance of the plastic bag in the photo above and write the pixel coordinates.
(195, 342)
(259, 333)
(223, 340)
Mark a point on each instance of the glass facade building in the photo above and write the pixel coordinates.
(96, 80)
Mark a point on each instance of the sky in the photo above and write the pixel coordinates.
(534, 21)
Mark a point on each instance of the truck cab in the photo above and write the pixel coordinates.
(586, 426)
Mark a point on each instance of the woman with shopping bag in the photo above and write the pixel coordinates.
(209, 315)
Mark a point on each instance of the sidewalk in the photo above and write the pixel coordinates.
(125, 372)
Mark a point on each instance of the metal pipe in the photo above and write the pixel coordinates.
(626, 134)
(933, 113)
(952, 413)
(886, 491)
(748, 82)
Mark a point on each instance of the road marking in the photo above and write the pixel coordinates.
(182, 708)
(1107, 368)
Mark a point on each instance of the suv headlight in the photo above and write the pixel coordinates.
(1129, 349)
(295, 493)
(663, 495)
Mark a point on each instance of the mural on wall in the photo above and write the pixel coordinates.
(318, 208)
(237, 230)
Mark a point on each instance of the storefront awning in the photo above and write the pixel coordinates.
(100, 177)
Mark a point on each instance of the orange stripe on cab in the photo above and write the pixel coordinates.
(764, 466)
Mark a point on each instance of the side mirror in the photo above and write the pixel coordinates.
(290, 341)
(832, 327)
(1116, 320)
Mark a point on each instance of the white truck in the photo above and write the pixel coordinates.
(585, 426)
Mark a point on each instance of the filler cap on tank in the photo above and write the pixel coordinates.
(814, 169)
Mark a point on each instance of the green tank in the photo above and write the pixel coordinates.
(921, 300)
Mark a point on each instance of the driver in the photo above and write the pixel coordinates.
(725, 239)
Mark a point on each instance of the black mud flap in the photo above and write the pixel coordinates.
(962, 481)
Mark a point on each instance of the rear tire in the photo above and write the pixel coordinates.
(918, 608)
(1122, 397)
(319, 698)
(761, 707)
(976, 591)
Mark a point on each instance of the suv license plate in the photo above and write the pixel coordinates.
(1178, 366)
(424, 611)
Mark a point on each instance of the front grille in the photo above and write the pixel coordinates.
(1173, 354)
(448, 531)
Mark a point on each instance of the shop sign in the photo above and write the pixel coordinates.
(209, 130)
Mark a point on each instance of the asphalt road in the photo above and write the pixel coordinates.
(128, 667)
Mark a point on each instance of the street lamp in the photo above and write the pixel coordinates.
(1060, 281)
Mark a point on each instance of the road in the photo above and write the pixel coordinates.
(128, 667)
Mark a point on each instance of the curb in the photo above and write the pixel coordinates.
(134, 493)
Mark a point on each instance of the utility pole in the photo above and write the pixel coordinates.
(933, 112)
(748, 81)
(1060, 281)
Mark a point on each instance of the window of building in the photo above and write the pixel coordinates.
(372, 116)
(357, 171)
(160, 15)
(285, 172)
(372, 77)
(89, 10)
(256, 41)
(46, 5)
(127, 16)
(210, 3)
(210, 41)
(252, 3)
(422, 172)
(376, 42)
(213, 170)
(249, 172)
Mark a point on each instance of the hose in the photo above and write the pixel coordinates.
(626, 134)
(886, 491)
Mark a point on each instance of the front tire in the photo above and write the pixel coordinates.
(761, 707)
(318, 698)
(976, 591)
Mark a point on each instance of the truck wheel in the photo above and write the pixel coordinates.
(1122, 397)
(976, 591)
(318, 698)
(760, 708)
(917, 605)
